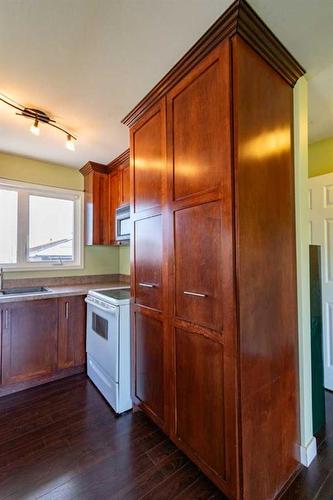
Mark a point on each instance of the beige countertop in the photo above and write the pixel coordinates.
(63, 290)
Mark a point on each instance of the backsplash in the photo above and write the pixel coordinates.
(66, 280)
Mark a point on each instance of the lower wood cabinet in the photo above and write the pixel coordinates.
(29, 340)
(200, 397)
(71, 332)
(149, 364)
(40, 339)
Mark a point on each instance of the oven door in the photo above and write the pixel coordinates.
(103, 336)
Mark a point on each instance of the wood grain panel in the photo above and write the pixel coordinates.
(148, 139)
(265, 268)
(198, 266)
(195, 113)
(149, 363)
(71, 331)
(29, 339)
(96, 202)
(77, 324)
(66, 346)
(114, 189)
(200, 397)
(125, 199)
(148, 261)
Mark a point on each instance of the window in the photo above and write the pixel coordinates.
(40, 227)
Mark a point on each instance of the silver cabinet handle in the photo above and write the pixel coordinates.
(6, 319)
(66, 310)
(147, 285)
(195, 294)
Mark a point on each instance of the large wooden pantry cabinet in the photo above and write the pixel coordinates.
(213, 256)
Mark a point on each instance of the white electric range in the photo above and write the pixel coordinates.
(108, 345)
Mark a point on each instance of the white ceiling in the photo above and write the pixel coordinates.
(88, 62)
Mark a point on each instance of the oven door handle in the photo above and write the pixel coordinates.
(111, 309)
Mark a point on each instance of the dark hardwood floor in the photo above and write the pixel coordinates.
(62, 441)
(316, 482)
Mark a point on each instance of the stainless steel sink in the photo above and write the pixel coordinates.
(25, 290)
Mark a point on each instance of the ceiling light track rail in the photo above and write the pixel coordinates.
(39, 116)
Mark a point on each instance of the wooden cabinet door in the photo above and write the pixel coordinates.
(148, 139)
(114, 190)
(200, 398)
(149, 363)
(199, 126)
(125, 185)
(29, 340)
(148, 261)
(198, 264)
(71, 332)
(96, 200)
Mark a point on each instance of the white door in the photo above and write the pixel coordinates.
(321, 233)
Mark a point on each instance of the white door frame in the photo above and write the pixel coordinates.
(308, 449)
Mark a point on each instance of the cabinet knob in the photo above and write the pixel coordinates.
(66, 310)
(195, 294)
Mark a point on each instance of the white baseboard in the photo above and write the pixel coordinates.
(308, 453)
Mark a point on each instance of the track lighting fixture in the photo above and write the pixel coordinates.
(70, 143)
(34, 129)
(38, 117)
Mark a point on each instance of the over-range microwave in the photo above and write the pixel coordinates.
(123, 223)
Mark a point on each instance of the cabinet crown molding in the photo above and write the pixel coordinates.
(121, 160)
(239, 19)
(93, 166)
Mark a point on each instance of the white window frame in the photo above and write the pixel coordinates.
(24, 190)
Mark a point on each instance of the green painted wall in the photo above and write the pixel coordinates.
(124, 260)
(24, 169)
(321, 157)
(97, 259)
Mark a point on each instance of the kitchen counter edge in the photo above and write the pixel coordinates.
(63, 291)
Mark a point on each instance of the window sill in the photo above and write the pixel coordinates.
(64, 267)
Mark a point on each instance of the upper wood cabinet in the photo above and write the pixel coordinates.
(106, 187)
(29, 340)
(114, 186)
(96, 204)
(148, 147)
(119, 187)
(214, 332)
(125, 185)
(195, 110)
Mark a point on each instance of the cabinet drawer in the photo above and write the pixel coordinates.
(148, 261)
(198, 250)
